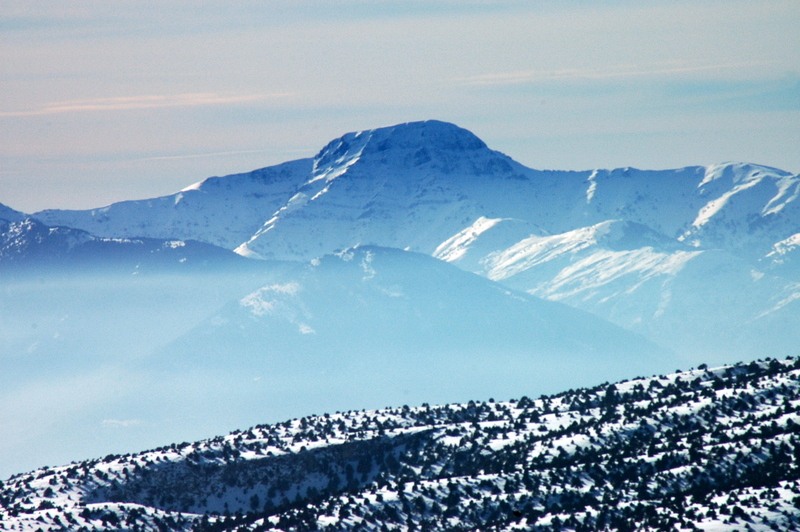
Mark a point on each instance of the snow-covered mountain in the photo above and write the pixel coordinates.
(8, 214)
(696, 301)
(405, 322)
(658, 252)
(29, 245)
(416, 185)
(224, 211)
(708, 449)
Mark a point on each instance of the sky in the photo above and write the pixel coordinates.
(105, 101)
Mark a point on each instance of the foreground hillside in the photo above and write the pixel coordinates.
(708, 449)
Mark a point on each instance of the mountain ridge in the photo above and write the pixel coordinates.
(435, 188)
(452, 151)
(441, 149)
(396, 301)
(29, 246)
(213, 198)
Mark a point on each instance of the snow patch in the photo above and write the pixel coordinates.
(457, 245)
(788, 191)
(784, 246)
(263, 302)
(605, 266)
(366, 265)
(535, 250)
(304, 328)
(194, 186)
(121, 423)
(592, 187)
(714, 206)
(793, 296)
(246, 252)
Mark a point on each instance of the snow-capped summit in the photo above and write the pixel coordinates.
(423, 140)
(399, 186)
(414, 144)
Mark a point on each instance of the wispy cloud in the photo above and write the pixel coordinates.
(121, 423)
(142, 102)
(199, 155)
(619, 71)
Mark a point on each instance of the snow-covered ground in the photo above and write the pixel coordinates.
(707, 449)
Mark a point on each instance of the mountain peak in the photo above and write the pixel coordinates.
(413, 143)
(430, 133)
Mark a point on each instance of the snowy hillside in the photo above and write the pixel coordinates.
(709, 449)
(659, 287)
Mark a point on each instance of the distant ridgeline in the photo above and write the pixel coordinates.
(708, 449)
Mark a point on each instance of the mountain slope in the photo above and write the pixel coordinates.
(375, 326)
(29, 245)
(223, 211)
(404, 187)
(646, 282)
(97, 360)
(10, 215)
(713, 450)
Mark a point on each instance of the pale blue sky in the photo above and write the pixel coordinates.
(104, 101)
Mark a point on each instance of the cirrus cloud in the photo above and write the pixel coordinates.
(619, 71)
(143, 102)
